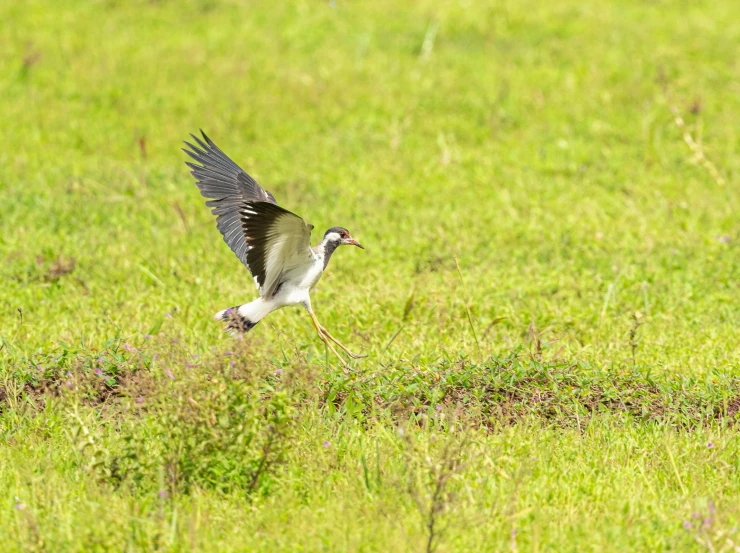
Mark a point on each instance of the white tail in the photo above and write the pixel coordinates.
(244, 318)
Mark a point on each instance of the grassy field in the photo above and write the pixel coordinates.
(573, 386)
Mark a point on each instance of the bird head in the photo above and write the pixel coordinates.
(339, 236)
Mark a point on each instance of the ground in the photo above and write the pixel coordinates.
(547, 194)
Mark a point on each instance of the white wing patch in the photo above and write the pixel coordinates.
(288, 247)
(283, 245)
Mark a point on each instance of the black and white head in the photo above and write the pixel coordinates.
(339, 236)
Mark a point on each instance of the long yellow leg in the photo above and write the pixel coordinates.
(323, 338)
(337, 342)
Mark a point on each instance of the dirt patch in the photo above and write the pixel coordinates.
(121, 371)
(510, 390)
(733, 408)
(500, 392)
(59, 268)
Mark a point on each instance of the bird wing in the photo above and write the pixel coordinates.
(278, 242)
(227, 187)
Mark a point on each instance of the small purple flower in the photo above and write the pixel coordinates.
(100, 360)
(162, 494)
(168, 316)
(126, 347)
(156, 356)
(231, 364)
(687, 525)
(139, 399)
(228, 353)
(710, 445)
(69, 383)
(18, 505)
(147, 336)
(327, 443)
(438, 407)
(195, 356)
(40, 367)
(169, 374)
(230, 310)
(724, 239)
(98, 372)
(189, 366)
(278, 372)
(69, 374)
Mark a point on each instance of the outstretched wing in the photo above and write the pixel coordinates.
(278, 242)
(227, 188)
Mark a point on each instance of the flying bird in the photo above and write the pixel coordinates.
(273, 243)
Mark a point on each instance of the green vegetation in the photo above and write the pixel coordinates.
(573, 386)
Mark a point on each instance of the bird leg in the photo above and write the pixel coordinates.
(324, 339)
(337, 342)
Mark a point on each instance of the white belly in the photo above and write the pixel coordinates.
(298, 283)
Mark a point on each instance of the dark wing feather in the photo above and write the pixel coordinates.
(227, 188)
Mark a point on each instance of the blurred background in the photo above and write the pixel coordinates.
(535, 141)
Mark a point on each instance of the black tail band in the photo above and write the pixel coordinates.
(236, 322)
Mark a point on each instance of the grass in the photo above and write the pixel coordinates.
(548, 296)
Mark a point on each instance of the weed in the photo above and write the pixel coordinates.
(430, 475)
(637, 322)
(506, 390)
(709, 533)
(225, 429)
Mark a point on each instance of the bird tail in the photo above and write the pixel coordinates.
(243, 318)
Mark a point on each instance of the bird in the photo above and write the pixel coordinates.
(272, 242)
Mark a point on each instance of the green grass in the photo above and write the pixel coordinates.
(575, 387)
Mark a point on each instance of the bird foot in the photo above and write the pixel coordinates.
(326, 334)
